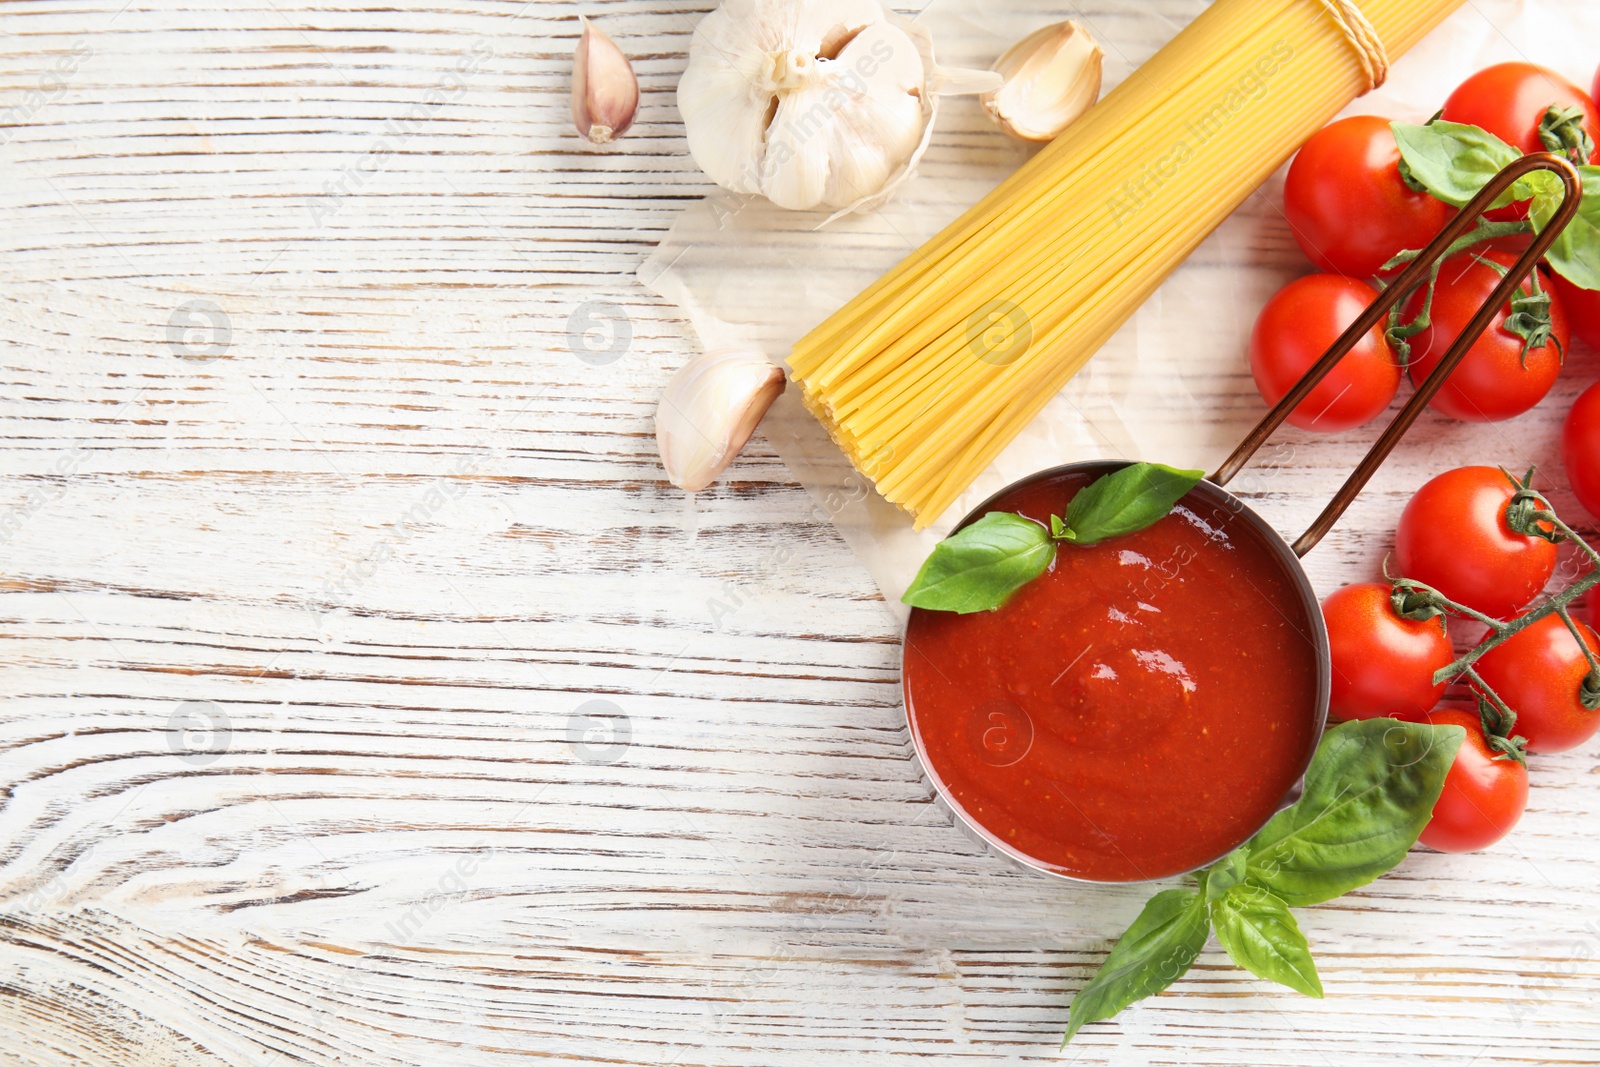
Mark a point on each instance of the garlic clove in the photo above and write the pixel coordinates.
(709, 410)
(605, 91)
(1052, 76)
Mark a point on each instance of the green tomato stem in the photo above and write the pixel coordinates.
(1501, 632)
(1498, 720)
(1448, 606)
(1546, 515)
(1589, 691)
(1505, 631)
(1485, 231)
(1588, 653)
(1400, 331)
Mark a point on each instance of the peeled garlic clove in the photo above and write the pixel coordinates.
(1052, 77)
(605, 91)
(708, 412)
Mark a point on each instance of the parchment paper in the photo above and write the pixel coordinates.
(750, 275)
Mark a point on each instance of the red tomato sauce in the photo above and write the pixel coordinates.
(1135, 712)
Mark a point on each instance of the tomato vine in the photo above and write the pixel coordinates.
(1529, 514)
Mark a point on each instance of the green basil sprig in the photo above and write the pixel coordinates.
(1258, 930)
(1454, 162)
(1576, 253)
(1154, 952)
(978, 568)
(1368, 794)
(1451, 160)
(1123, 503)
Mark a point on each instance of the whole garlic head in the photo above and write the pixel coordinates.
(811, 103)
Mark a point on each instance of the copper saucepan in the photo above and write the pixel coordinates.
(1211, 493)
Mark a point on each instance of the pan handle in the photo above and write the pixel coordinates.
(1402, 286)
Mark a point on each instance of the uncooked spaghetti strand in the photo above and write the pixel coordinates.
(1208, 30)
(892, 376)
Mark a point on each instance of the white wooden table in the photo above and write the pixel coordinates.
(371, 699)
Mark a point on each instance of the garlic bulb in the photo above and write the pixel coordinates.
(709, 410)
(812, 103)
(1052, 77)
(605, 91)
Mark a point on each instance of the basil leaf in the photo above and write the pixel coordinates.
(1226, 873)
(1155, 952)
(1125, 502)
(978, 568)
(1453, 161)
(1538, 186)
(1368, 794)
(1576, 253)
(1259, 932)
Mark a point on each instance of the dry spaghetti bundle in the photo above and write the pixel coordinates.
(924, 377)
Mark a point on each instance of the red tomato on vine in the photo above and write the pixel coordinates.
(1454, 536)
(1383, 665)
(1513, 364)
(1347, 205)
(1296, 327)
(1483, 796)
(1583, 308)
(1543, 676)
(1580, 449)
(1513, 100)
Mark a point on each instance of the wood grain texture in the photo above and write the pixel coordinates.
(371, 699)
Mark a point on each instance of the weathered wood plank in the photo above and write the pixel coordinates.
(318, 540)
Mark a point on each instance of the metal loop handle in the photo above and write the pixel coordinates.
(1401, 288)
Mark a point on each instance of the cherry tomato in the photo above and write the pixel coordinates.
(1583, 308)
(1497, 380)
(1349, 209)
(1580, 449)
(1296, 327)
(1540, 674)
(1483, 797)
(1455, 537)
(1382, 664)
(1510, 101)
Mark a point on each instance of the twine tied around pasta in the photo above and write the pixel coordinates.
(1369, 46)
